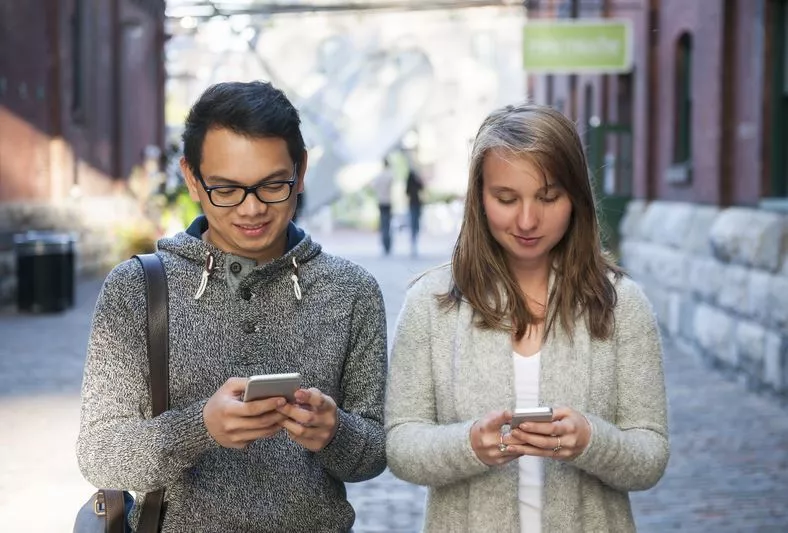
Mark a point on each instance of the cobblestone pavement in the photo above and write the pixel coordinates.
(728, 470)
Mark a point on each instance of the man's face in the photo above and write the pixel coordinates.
(252, 229)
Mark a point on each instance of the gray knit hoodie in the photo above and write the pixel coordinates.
(306, 312)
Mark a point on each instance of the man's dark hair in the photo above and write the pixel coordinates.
(255, 109)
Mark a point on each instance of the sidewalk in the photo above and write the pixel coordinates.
(728, 471)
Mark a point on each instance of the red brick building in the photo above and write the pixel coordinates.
(81, 94)
(81, 97)
(689, 151)
(706, 99)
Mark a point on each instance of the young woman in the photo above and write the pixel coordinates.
(530, 312)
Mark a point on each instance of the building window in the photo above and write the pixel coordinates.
(682, 137)
(624, 100)
(78, 66)
(680, 171)
(588, 113)
(778, 163)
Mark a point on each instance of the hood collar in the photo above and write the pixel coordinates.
(189, 245)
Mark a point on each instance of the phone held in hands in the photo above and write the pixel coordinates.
(272, 385)
(532, 414)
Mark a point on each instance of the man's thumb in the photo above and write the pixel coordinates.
(235, 385)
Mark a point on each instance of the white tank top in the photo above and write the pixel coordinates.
(526, 385)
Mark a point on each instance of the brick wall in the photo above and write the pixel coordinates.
(63, 165)
(728, 91)
(705, 25)
(25, 120)
(49, 143)
(748, 127)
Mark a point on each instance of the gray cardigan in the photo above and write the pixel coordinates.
(335, 336)
(445, 374)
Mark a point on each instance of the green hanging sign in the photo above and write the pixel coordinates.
(580, 46)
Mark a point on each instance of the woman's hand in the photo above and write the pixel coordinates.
(487, 438)
(564, 438)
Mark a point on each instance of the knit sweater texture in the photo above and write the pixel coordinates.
(335, 336)
(446, 373)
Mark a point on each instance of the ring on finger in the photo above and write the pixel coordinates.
(502, 446)
(558, 446)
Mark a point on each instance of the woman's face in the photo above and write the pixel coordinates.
(527, 212)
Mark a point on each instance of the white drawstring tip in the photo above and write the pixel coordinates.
(296, 287)
(203, 285)
(294, 278)
(210, 263)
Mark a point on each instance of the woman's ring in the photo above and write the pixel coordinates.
(557, 448)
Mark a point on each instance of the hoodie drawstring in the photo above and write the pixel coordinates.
(294, 277)
(210, 264)
(207, 270)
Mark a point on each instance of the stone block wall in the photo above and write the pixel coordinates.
(94, 222)
(718, 281)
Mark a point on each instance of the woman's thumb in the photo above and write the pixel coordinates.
(497, 419)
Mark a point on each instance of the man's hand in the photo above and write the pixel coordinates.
(234, 423)
(312, 420)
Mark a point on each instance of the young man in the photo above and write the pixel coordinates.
(249, 293)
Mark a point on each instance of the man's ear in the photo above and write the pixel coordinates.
(302, 173)
(191, 182)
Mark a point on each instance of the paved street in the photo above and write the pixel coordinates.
(728, 471)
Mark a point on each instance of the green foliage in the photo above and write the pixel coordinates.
(357, 210)
(135, 237)
(179, 208)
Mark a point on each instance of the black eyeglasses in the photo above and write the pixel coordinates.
(268, 192)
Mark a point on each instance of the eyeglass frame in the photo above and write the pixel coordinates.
(253, 189)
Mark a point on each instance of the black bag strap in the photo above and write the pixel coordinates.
(158, 361)
(158, 331)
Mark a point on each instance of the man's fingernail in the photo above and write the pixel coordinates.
(280, 402)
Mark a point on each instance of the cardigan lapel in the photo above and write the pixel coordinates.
(482, 366)
(565, 368)
(564, 381)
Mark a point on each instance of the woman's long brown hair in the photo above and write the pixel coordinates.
(582, 288)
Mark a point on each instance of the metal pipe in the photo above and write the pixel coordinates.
(344, 7)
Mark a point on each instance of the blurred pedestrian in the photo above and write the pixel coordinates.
(381, 187)
(529, 313)
(249, 293)
(413, 187)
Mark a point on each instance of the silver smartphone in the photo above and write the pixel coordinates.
(532, 414)
(272, 385)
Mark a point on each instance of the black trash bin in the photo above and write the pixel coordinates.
(44, 271)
